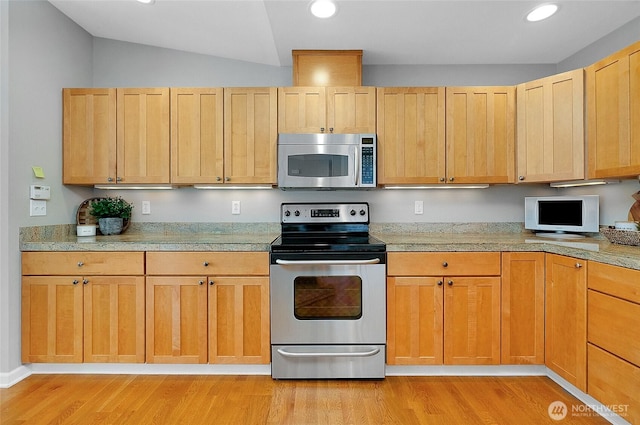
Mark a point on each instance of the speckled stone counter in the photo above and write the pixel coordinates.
(398, 237)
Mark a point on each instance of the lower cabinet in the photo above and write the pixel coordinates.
(522, 330)
(208, 307)
(613, 349)
(82, 306)
(566, 318)
(434, 317)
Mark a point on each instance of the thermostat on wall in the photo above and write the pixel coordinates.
(40, 192)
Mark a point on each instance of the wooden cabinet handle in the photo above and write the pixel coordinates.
(440, 283)
(109, 179)
(445, 264)
(451, 179)
(227, 179)
(211, 282)
(206, 264)
(118, 179)
(80, 264)
(442, 179)
(322, 129)
(450, 283)
(331, 129)
(578, 265)
(75, 281)
(218, 178)
(201, 282)
(521, 178)
(85, 281)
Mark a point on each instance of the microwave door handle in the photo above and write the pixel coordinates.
(356, 167)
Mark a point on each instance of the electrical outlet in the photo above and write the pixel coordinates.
(235, 207)
(418, 207)
(146, 207)
(37, 207)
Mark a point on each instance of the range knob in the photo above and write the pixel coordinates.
(296, 213)
(362, 212)
(287, 213)
(352, 212)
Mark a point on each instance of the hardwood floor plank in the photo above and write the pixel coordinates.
(221, 400)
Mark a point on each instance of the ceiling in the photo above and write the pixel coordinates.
(388, 31)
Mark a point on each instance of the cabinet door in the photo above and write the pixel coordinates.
(52, 319)
(250, 135)
(480, 134)
(566, 317)
(143, 150)
(550, 141)
(522, 308)
(239, 320)
(197, 154)
(114, 319)
(414, 320)
(613, 114)
(351, 109)
(411, 135)
(176, 319)
(302, 109)
(89, 136)
(472, 320)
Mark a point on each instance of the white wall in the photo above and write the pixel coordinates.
(5, 249)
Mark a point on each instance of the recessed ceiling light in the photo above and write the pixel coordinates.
(146, 1)
(542, 12)
(323, 8)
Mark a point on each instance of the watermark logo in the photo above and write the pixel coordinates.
(557, 410)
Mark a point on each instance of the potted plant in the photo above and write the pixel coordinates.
(111, 213)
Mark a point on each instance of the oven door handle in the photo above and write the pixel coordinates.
(326, 262)
(368, 353)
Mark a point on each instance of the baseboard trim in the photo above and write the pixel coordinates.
(16, 375)
(149, 369)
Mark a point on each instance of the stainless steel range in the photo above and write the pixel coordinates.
(328, 296)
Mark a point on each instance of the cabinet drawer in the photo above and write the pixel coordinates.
(613, 280)
(614, 383)
(83, 263)
(443, 263)
(613, 324)
(208, 263)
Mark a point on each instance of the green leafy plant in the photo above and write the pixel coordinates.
(111, 207)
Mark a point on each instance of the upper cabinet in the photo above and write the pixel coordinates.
(250, 135)
(550, 143)
(411, 135)
(143, 151)
(480, 135)
(197, 154)
(613, 114)
(327, 109)
(89, 136)
(116, 136)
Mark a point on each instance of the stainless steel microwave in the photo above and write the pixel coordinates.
(327, 161)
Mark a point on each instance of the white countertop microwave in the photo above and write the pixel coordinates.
(327, 161)
(559, 214)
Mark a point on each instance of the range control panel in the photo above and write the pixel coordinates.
(357, 212)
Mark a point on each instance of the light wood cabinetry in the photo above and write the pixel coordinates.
(197, 148)
(411, 135)
(566, 318)
(250, 135)
(550, 139)
(82, 306)
(327, 67)
(613, 305)
(143, 150)
(613, 114)
(226, 323)
(443, 308)
(480, 135)
(115, 136)
(327, 109)
(89, 136)
(522, 339)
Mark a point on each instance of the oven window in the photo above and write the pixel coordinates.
(318, 165)
(327, 297)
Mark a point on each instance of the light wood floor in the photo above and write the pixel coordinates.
(239, 400)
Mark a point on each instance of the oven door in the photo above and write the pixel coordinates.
(318, 166)
(328, 302)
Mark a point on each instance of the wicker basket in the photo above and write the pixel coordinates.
(622, 237)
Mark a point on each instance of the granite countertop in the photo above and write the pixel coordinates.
(258, 237)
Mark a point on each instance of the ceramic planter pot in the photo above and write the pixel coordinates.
(110, 225)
